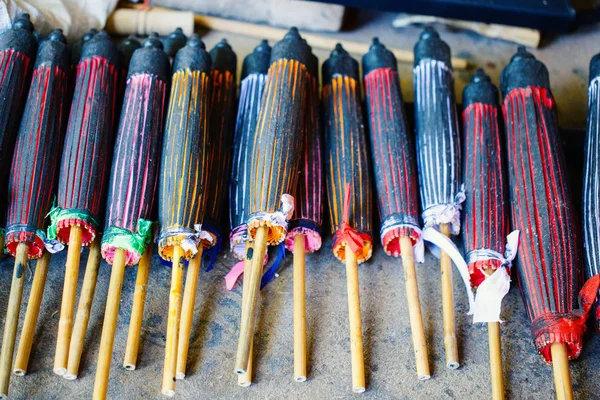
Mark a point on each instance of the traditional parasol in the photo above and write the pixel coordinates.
(174, 42)
(485, 217)
(18, 48)
(252, 85)
(348, 186)
(182, 194)
(86, 297)
(438, 159)
(304, 234)
(274, 163)
(396, 181)
(591, 182)
(222, 127)
(132, 184)
(33, 176)
(549, 263)
(84, 178)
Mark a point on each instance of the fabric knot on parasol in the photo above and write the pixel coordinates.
(277, 221)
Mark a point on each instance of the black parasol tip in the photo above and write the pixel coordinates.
(91, 33)
(595, 67)
(291, 47)
(57, 36)
(193, 56)
(339, 63)
(23, 21)
(378, 57)
(223, 57)
(195, 41)
(480, 90)
(522, 71)
(431, 46)
(153, 41)
(100, 44)
(150, 59)
(258, 61)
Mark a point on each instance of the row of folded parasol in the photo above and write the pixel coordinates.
(64, 119)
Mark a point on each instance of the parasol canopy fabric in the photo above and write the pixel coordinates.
(310, 193)
(549, 263)
(182, 189)
(18, 48)
(392, 151)
(223, 106)
(134, 174)
(34, 169)
(591, 181)
(437, 134)
(347, 166)
(485, 217)
(88, 142)
(252, 85)
(277, 146)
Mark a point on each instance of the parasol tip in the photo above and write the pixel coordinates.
(293, 33)
(339, 63)
(480, 90)
(522, 71)
(291, 47)
(57, 36)
(91, 33)
(378, 57)
(177, 34)
(23, 21)
(428, 33)
(195, 41)
(431, 47)
(257, 61)
(223, 57)
(153, 41)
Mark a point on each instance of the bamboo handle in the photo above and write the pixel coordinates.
(245, 380)
(356, 340)
(450, 343)
(65, 325)
(86, 298)
(170, 366)
(250, 299)
(414, 309)
(187, 313)
(109, 325)
(12, 317)
(496, 361)
(137, 310)
(124, 21)
(32, 314)
(1, 246)
(299, 308)
(562, 375)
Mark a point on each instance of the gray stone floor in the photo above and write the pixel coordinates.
(388, 347)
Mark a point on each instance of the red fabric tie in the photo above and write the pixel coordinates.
(346, 233)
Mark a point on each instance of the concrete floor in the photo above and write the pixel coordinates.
(388, 348)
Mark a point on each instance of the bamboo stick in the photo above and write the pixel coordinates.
(299, 308)
(496, 361)
(170, 365)
(82, 317)
(253, 275)
(450, 343)
(31, 315)
(1, 246)
(414, 309)
(67, 308)
(110, 324)
(356, 339)
(245, 380)
(562, 375)
(187, 313)
(12, 317)
(137, 310)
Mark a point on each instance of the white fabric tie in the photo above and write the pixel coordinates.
(192, 241)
